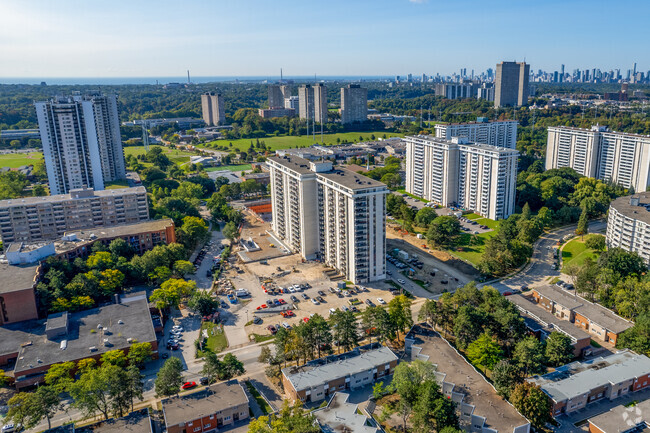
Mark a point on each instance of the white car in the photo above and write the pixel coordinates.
(332, 310)
(381, 301)
(291, 290)
(401, 281)
(314, 301)
(285, 325)
(345, 308)
(11, 428)
(177, 328)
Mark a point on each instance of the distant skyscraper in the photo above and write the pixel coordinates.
(306, 102)
(81, 140)
(320, 103)
(276, 99)
(212, 105)
(354, 104)
(511, 84)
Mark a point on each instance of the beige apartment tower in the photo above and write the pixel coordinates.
(332, 215)
(354, 104)
(511, 84)
(312, 102)
(212, 106)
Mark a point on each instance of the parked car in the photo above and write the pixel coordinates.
(282, 301)
(11, 428)
(320, 299)
(370, 303)
(188, 385)
(315, 301)
(381, 301)
(344, 308)
(294, 298)
(165, 355)
(304, 296)
(321, 293)
(203, 381)
(272, 329)
(401, 281)
(285, 325)
(257, 320)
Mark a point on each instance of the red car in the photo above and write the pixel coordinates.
(188, 385)
(287, 313)
(282, 301)
(262, 307)
(305, 319)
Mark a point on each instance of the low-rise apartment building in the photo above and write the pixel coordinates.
(600, 322)
(208, 410)
(628, 225)
(499, 133)
(34, 219)
(322, 377)
(455, 172)
(330, 214)
(268, 113)
(18, 293)
(622, 419)
(342, 416)
(575, 385)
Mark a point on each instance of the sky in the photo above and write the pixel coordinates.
(163, 38)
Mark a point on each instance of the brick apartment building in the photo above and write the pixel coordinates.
(596, 320)
(317, 379)
(575, 385)
(208, 410)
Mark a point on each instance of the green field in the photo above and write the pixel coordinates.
(576, 252)
(415, 197)
(239, 167)
(286, 142)
(116, 184)
(175, 155)
(15, 160)
(472, 253)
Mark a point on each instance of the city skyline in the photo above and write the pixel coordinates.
(64, 39)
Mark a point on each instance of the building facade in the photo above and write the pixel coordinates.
(511, 84)
(502, 133)
(456, 90)
(597, 152)
(455, 172)
(82, 145)
(628, 225)
(34, 219)
(276, 98)
(268, 113)
(332, 215)
(354, 104)
(212, 106)
(312, 102)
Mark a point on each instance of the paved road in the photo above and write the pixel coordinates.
(540, 269)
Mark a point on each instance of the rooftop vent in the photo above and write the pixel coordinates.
(634, 201)
(120, 322)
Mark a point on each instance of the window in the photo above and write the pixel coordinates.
(207, 426)
(226, 418)
(197, 428)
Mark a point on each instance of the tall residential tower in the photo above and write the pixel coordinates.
(212, 105)
(354, 104)
(511, 84)
(82, 145)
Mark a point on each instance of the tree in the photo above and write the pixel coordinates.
(101, 261)
(399, 310)
(432, 410)
(443, 231)
(596, 242)
(193, 230)
(505, 376)
(583, 224)
(529, 355)
(169, 379)
(559, 350)
(231, 366)
(202, 303)
(98, 389)
(59, 376)
(407, 381)
(425, 216)
(212, 367)
(392, 180)
(468, 325)
(12, 184)
(29, 408)
(114, 357)
(183, 267)
(430, 312)
(139, 353)
(531, 402)
(344, 327)
(230, 231)
(484, 352)
(320, 332)
(120, 248)
(290, 419)
(39, 191)
(134, 384)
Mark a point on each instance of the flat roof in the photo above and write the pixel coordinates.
(498, 413)
(622, 419)
(12, 336)
(341, 176)
(130, 319)
(580, 377)
(547, 321)
(206, 402)
(27, 201)
(17, 277)
(135, 422)
(594, 312)
(639, 212)
(606, 131)
(339, 416)
(312, 374)
(488, 122)
(122, 230)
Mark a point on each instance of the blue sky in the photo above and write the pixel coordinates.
(115, 38)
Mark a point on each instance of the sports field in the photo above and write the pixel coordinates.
(15, 160)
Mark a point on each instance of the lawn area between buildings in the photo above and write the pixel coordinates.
(15, 160)
(240, 167)
(287, 142)
(216, 341)
(415, 197)
(472, 253)
(258, 398)
(576, 252)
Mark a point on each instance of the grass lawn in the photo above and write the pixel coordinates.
(472, 253)
(175, 155)
(239, 167)
(262, 338)
(286, 142)
(258, 398)
(216, 338)
(415, 197)
(576, 251)
(117, 184)
(15, 160)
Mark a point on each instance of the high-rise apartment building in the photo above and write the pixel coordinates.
(332, 215)
(354, 104)
(511, 84)
(34, 219)
(597, 152)
(292, 102)
(312, 102)
(628, 225)
(82, 145)
(276, 98)
(212, 106)
(456, 90)
(455, 172)
(495, 133)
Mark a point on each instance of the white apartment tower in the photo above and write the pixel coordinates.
(333, 215)
(312, 102)
(496, 133)
(320, 103)
(597, 152)
(82, 145)
(628, 225)
(455, 172)
(212, 106)
(354, 104)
